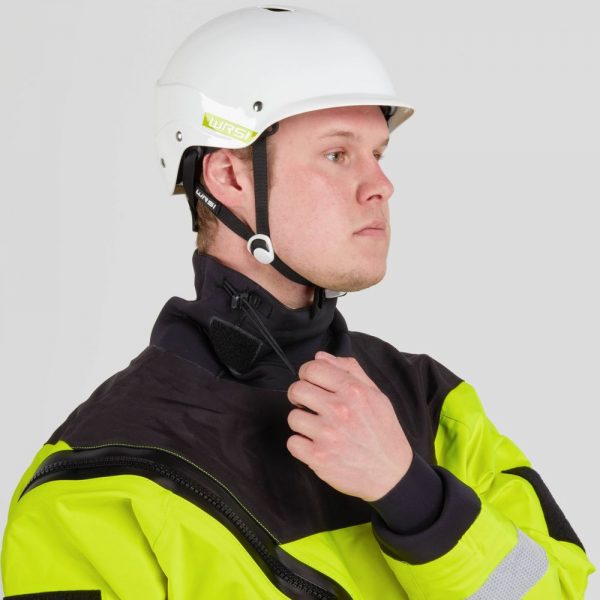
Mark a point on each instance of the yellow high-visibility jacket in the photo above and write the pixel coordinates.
(173, 481)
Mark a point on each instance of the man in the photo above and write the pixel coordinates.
(257, 448)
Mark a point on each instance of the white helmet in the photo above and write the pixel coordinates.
(235, 77)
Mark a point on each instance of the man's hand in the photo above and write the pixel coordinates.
(352, 439)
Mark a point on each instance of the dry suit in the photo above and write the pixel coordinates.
(173, 479)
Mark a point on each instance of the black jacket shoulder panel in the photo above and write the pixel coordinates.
(235, 432)
(238, 433)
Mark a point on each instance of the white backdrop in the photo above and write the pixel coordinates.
(494, 263)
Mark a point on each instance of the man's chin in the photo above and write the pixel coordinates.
(353, 281)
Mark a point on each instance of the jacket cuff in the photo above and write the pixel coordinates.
(460, 506)
(416, 500)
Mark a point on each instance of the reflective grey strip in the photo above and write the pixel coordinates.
(518, 572)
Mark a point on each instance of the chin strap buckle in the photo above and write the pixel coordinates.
(261, 247)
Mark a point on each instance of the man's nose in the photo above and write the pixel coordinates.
(375, 185)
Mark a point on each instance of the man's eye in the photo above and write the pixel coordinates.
(378, 155)
(336, 155)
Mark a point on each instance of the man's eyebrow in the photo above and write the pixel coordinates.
(347, 134)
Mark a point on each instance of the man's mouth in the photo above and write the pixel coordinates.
(376, 228)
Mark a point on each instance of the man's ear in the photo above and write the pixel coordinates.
(229, 178)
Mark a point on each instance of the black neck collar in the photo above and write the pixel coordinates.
(216, 333)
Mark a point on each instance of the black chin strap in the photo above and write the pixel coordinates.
(261, 183)
(259, 243)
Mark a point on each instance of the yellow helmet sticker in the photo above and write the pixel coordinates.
(228, 128)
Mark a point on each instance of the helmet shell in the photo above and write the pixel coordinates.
(245, 70)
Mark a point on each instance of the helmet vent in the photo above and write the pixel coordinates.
(277, 9)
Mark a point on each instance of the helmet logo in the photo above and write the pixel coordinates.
(210, 203)
(228, 128)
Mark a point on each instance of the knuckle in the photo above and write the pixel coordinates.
(320, 456)
(309, 370)
(330, 435)
(352, 390)
(353, 362)
(341, 411)
(292, 445)
(292, 418)
(302, 387)
(295, 390)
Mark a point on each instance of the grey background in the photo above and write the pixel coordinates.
(494, 263)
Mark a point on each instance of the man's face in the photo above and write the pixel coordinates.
(328, 198)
